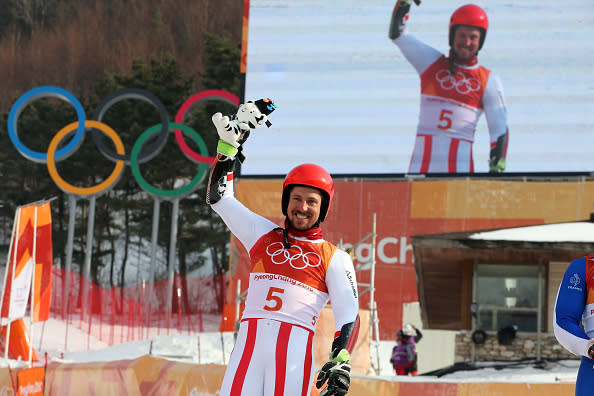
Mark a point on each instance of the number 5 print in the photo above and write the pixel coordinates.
(276, 301)
(445, 119)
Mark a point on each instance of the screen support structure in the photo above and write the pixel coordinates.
(374, 341)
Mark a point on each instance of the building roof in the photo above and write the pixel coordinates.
(577, 231)
(569, 236)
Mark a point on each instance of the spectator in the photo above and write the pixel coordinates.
(404, 354)
(574, 319)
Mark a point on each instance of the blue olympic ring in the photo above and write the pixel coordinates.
(30, 96)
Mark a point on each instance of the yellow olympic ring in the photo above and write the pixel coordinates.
(85, 191)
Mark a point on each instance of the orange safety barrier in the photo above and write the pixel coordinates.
(155, 376)
(19, 342)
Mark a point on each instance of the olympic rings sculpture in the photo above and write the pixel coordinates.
(137, 156)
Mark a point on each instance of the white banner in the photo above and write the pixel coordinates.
(21, 287)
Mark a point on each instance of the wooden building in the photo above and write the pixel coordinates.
(485, 281)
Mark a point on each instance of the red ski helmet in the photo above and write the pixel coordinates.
(309, 175)
(469, 15)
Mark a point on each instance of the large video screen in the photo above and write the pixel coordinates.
(347, 98)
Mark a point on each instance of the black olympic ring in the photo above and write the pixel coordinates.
(132, 93)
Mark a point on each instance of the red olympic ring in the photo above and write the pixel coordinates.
(188, 104)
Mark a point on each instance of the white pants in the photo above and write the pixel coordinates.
(270, 358)
(441, 154)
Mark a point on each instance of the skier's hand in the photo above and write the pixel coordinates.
(591, 349)
(338, 374)
(497, 166)
(230, 133)
(400, 18)
(234, 130)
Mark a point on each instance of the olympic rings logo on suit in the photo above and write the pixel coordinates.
(137, 155)
(298, 260)
(463, 84)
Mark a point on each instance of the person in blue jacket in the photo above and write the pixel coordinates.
(574, 319)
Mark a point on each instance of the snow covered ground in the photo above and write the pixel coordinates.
(215, 347)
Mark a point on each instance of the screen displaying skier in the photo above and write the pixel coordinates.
(351, 98)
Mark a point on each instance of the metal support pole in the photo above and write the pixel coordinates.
(68, 265)
(152, 266)
(373, 319)
(478, 310)
(71, 223)
(89, 248)
(88, 255)
(171, 260)
(539, 314)
(154, 236)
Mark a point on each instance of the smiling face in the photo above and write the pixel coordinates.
(466, 42)
(304, 206)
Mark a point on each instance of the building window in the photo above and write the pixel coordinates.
(507, 295)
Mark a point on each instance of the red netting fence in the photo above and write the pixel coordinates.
(119, 315)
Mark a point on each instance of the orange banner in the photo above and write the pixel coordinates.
(31, 243)
(31, 381)
(42, 288)
(244, 37)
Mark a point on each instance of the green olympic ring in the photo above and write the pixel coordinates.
(176, 192)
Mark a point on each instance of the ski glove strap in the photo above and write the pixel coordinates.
(338, 374)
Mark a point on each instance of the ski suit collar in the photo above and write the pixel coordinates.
(313, 233)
